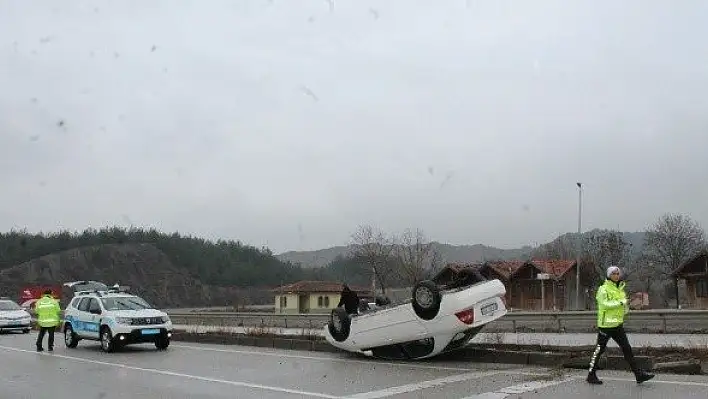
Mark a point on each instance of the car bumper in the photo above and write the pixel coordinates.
(15, 326)
(142, 334)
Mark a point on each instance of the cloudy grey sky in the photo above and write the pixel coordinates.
(288, 123)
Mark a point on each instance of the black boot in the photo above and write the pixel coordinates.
(643, 376)
(592, 378)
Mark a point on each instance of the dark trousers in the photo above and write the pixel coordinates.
(40, 336)
(618, 335)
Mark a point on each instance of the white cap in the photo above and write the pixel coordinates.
(611, 270)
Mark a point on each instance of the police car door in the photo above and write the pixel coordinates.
(93, 318)
(81, 317)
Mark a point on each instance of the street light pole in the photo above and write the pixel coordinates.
(579, 248)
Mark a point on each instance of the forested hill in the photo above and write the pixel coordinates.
(221, 263)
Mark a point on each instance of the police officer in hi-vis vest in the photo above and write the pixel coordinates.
(612, 306)
(48, 318)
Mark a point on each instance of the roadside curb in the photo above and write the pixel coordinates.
(573, 358)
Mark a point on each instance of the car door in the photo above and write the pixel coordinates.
(85, 321)
(92, 318)
(81, 317)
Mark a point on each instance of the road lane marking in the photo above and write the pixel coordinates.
(320, 358)
(655, 381)
(524, 387)
(417, 386)
(181, 375)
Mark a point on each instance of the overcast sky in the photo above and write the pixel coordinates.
(288, 123)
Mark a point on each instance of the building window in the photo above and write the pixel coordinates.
(702, 288)
(283, 302)
(319, 302)
(326, 301)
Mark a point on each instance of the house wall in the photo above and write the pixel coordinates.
(291, 304)
(528, 294)
(524, 292)
(694, 301)
(586, 298)
(311, 303)
(323, 302)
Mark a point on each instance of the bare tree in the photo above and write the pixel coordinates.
(606, 247)
(671, 241)
(416, 257)
(562, 247)
(374, 248)
(641, 273)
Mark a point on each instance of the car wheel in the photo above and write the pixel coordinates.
(70, 338)
(339, 324)
(26, 331)
(107, 343)
(162, 343)
(426, 299)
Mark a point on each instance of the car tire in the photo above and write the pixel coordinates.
(26, 331)
(70, 338)
(426, 298)
(106, 338)
(339, 324)
(162, 343)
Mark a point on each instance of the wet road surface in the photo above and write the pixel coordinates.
(215, 371)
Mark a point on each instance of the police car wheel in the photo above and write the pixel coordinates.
(107, 343)
(70, 338)
(162, 343)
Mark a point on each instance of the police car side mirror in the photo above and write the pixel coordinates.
(95, 311)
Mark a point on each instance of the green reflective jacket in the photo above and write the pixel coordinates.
(48, 311)
(611, 304)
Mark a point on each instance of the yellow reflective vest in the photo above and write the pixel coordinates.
(611, 304)
(48, 311)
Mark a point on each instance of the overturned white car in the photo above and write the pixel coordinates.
(440, 317)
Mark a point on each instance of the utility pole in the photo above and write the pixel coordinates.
(579, 247)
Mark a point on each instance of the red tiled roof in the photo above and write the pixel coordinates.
(506, 268)
(556, 268)
(316, 286)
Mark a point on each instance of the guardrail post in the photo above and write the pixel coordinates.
(663, 322)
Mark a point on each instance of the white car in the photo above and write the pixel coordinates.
(438, 318)
(13, 317)
(113, 317)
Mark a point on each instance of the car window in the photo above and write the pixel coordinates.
(9, 305)
(125, 303)
(84, 305)
(75, 303)
(93, 305)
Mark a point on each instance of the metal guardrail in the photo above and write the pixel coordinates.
(642, 321)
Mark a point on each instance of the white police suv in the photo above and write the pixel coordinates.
(114, 317)
(13, 317)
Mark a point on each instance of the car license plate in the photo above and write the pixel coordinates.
(488, 309)
(151, 331)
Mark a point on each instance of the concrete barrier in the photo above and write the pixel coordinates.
(646, 321)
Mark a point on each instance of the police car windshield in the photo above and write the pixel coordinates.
(9, 305)
(125, 303)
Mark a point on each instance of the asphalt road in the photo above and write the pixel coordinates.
(213, 371)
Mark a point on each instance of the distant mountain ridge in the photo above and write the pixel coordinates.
(449, 253)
